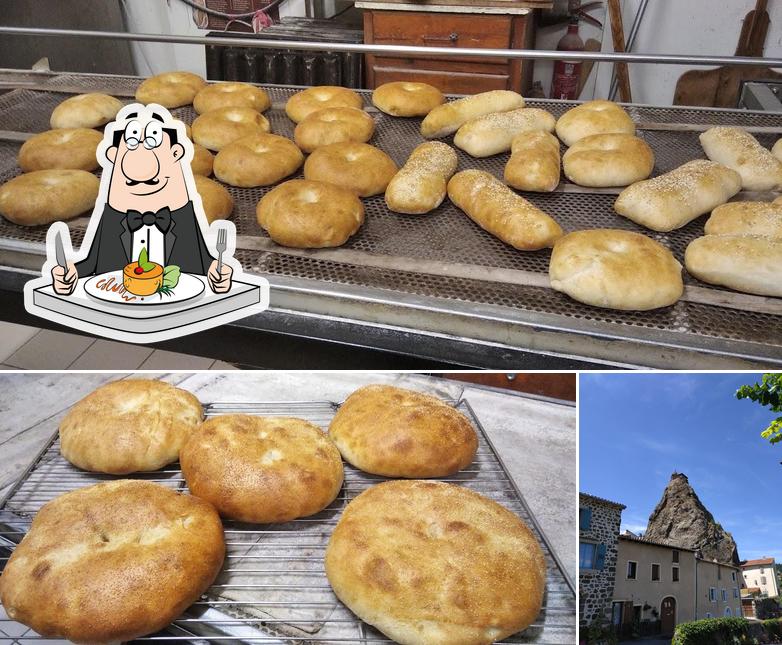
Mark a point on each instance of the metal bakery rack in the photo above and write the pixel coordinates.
(273, 587)
(437, 285)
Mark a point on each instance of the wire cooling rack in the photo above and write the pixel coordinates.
(273, 586)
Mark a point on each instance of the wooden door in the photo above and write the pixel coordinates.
(668, 615)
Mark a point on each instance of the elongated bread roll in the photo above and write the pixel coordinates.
(739, 150)
(421, 184)
(616, 270)
(491, 134)
(448, 118)
(777, 149)
(534, 162)
(748, 263)
(501, 212)
(593, 117)
(672, 200)
(746, 218)
(614, 159)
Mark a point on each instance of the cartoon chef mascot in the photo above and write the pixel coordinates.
(144, 189)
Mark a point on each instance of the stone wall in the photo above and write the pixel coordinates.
(596, 586)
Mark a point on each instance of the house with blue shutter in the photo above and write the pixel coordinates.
(598, 522)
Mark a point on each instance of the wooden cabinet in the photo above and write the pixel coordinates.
(554, 385)
(456, 75)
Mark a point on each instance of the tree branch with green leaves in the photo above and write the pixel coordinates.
(767, 393)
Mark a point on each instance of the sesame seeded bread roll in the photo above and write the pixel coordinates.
(746, 218)
(447, 118)
(420, 186)
(501, 212)
(491, 134)
(670, 201)
(739, 150)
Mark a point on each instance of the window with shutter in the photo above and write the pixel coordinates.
(600, 556)
(584, 518)
(675, 574)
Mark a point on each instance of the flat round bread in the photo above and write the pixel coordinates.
(112, 562)
(430, 563)
(129, 426)
(262, 469)
(394, 432)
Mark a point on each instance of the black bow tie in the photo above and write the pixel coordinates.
(161, 219)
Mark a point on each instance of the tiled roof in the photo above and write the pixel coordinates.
(601, 500)
(637, 538)
(758, 563)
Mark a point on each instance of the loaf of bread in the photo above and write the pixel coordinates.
(534, 162)
(420, 186)
(748, 263)
(430, 563)
(738, 149)
(615, 269)
(746, 218)
(776, 150)
(501, 212)
(447, 118)
(593, 117)
(670, 201)
(603, 160)
(491, 134)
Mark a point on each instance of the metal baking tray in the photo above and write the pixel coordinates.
(273, 587)
(441, 273)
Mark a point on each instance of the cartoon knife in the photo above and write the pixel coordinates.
(59, 251)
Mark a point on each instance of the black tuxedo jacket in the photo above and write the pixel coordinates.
(112, 245)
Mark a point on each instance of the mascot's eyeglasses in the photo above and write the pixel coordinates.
(150, 136)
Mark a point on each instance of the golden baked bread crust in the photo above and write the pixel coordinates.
(216, 200)
(501, 212)
(128, 426)
(302, 104)
(257, 160)
(262, 469)
(364, 169)
(46, 196)
(216, 129)
(430, 563)
(593, 117)
(112, 562)
(492, 134)
(534, 162)
(68, 148)
(310, 214)
(604, 160)
(740, 151)
(203, 161)
(405, 98)
(85, 111)
(447, 118)
(615, 269)
(746, 218)
(333, 125)
(394, 432)
(421, 184)
(170, 89)
(231, 94)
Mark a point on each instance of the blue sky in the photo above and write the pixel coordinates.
(636, 429)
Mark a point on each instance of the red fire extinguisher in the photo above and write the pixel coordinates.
(564, 82)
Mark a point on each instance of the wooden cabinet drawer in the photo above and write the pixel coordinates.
(441, 30)
(448, 82)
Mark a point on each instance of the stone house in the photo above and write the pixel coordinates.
(599, 521)
(762, 575)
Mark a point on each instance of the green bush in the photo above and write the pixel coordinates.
(728, 631)
(773, 628)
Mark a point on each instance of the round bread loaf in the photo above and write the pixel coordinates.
(129, 426)
(333, 125)
(46, 196)
(262, 469)
(421, 185)
(216, 200)
(603, 160)
(534, 162)
(170, 89)
(395, 432)
(85, 111)
(68, 148)
(112, 562)
(203, 161)
(404, 98)
(616, 270)
(257, 160)
(216, 129)
(304, 103)
(310, 214)
(430, 563)
(746, 218)
(359, 167)
(747, 263)
(593, 117)
(776, 150)
(220, 95)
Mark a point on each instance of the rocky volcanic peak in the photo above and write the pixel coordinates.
(681, 518)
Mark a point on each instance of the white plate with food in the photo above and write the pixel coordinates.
(113, 287)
